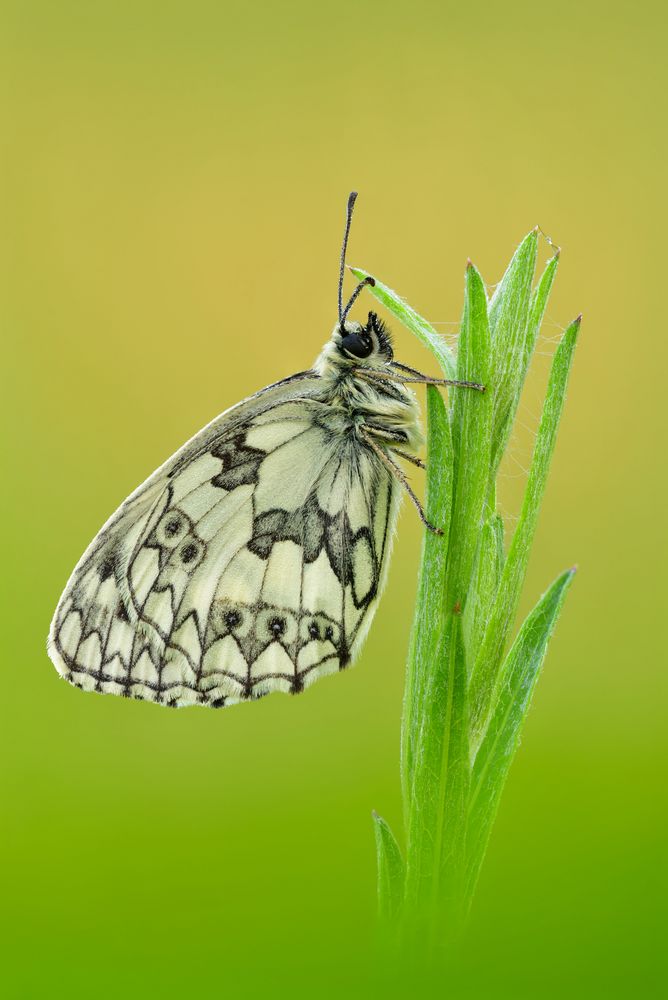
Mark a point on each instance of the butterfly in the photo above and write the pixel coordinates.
(253, 560)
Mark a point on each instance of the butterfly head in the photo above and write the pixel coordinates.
(364, 344)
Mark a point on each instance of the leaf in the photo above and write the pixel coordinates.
(413, 322)
(508, 323)
(436, 809)
(439, 785)
(454, 791)
(484, 584)
(515, 687)
(471, 438)
(428, 619)
(537, 307)
(390, 870)
(486, 667)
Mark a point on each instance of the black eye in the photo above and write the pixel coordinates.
(359, 345)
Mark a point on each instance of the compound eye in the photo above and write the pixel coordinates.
(357, 345)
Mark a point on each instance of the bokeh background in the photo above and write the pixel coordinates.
(174, 178)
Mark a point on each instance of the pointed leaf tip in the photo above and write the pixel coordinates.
(390, 869)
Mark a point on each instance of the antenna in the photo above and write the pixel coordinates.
(349, 216)
(367, 281)
(351, 301)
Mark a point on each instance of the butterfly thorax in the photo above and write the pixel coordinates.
(364, 393)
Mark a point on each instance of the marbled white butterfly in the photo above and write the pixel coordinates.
(253, 560)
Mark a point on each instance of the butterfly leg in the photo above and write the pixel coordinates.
(405, 375)
(392, 438)
(410, 458)
(399, 475)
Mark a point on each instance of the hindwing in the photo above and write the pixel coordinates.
(250, 562)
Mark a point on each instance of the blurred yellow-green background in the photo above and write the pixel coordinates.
(174, 177)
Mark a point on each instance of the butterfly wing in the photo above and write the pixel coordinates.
(251, 562)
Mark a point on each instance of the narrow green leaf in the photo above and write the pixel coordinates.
(413, 321)
(435, 810)
(428, 620)
(515, 686)
(448, 891)
(537, 307)
(508, 322)
(539, 301)
(436, 813)
(390, 870)
(471, 438)
(487, 664)
(484, 584)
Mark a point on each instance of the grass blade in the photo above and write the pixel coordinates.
(487, 664)
(412, 320)
(390, 870)
(516, 683)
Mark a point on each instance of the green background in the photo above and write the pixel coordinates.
(174, 177)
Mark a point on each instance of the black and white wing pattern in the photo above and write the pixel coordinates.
(251, 562)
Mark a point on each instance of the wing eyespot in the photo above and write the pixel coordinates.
(318, 628)
(276, 626)
(191, 552)
(172, 529)
(231, 619)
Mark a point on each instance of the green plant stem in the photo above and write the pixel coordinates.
(464, 705)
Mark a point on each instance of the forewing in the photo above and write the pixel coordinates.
(251, 562)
